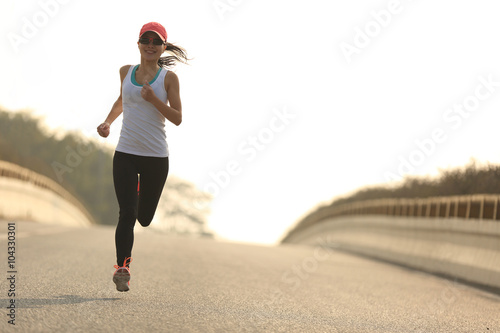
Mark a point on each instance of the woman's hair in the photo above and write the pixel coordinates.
(177, 54)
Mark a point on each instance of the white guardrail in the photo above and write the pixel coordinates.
(457, 236)
(27, 195)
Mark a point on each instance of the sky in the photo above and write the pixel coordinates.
(287, 105)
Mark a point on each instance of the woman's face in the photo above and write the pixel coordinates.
(150, 51)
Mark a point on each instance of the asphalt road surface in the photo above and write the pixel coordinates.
(62, 282)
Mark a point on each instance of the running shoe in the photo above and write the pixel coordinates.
(121, 277)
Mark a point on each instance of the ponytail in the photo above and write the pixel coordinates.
(178, 54)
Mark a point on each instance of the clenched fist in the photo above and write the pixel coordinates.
(147, 92)
(103, 130)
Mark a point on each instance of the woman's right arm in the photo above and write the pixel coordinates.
(117, 109)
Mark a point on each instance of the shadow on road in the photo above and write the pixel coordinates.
(57, 300)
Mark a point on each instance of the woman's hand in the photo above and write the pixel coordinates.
(147, 92)
(103, 130)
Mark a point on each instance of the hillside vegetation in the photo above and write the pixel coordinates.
(84, 168)
(469, 179)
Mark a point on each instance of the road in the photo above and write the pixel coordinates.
(63, 284)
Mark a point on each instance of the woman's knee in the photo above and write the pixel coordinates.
(147, 208)
(145, 219)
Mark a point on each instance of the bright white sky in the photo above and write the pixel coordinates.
(352, 116)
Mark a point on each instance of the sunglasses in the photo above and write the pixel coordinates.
(147, 40)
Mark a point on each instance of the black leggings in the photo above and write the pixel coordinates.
(128, 172)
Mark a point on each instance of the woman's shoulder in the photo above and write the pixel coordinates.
(125, 69)
(171, 76)
(171, 80)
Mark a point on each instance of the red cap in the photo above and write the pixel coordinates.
(154, 27)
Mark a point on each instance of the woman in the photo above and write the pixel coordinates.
(149, 95)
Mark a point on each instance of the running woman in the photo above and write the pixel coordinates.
(149, 94)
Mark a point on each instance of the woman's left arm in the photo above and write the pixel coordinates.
(173, 112)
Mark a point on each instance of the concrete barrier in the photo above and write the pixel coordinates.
(26, 195)
(463, 249)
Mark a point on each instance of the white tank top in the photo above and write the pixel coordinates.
(143, 127)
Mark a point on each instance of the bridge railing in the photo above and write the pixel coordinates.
(11, 170)
(477, 206)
